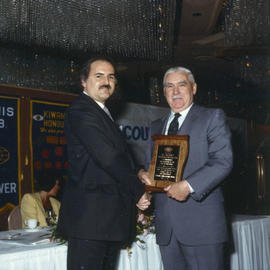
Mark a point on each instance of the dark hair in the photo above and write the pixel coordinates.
(86, 67)
(46, 179)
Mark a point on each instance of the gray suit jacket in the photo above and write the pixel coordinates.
(201, 218)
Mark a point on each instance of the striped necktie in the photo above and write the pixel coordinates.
(173, 128)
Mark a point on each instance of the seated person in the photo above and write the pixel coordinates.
(41, 205)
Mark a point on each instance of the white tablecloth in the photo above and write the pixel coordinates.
(251, 251)
(23, 253)
(251, 243)
(31, 251)
(143, 256)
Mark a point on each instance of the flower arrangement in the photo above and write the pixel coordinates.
(144, 224)
(55, 236)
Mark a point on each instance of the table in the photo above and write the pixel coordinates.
(251, 249)
(251, 243)
(33, 251)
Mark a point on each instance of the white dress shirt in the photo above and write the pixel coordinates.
(102, 106)
(180, 119)
(180, 122)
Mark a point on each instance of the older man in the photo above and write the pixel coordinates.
(98, 207)
(190, 219)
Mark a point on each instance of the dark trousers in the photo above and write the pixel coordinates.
(92, 254)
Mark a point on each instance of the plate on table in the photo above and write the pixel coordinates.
(37, 229)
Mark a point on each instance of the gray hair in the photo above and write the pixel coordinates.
(176, 69)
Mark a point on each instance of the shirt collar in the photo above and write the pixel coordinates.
(183, 113)
(101, 105)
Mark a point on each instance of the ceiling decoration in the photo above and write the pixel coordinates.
(247, 22)
(247, 31)
(125, 28)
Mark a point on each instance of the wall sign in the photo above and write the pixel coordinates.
(47, 140)
(9, 152)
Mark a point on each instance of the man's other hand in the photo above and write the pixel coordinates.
(178, 191)
(144, 177)
(144, 201)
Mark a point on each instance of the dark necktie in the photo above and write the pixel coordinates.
(174, 125)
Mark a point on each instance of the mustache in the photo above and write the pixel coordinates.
(176, 96)
(105, 86)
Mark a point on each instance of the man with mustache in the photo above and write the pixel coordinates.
(98, 208)
(190, 219)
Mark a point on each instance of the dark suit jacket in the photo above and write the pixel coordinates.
(102, 188)
(201, 218)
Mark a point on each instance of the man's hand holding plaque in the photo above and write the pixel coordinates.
(169, 156)
(178, 191)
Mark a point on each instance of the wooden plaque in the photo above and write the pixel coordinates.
(169, 157)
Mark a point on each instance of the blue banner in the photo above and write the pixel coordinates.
(9, 152)
(48, 143)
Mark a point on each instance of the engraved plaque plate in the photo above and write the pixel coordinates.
(169, 157)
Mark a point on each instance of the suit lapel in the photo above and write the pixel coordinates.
(160, 126)
(189, 120)
(113, 126)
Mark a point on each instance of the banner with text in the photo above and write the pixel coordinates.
(9, 151)
(48, 143)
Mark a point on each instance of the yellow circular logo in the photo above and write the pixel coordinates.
(4, 155)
